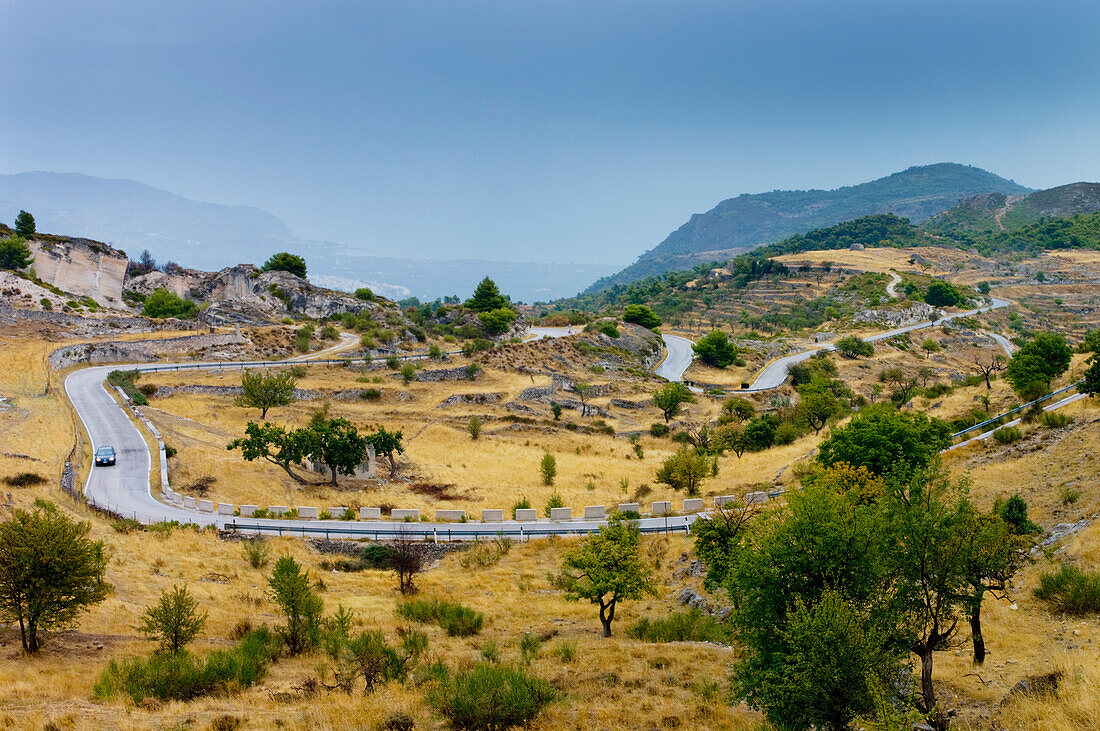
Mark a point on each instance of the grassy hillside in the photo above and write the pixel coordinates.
(739, 224)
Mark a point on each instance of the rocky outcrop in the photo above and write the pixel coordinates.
(470, 398)
(81, 267)
(917, 312)
(244, 294)
(131, 351)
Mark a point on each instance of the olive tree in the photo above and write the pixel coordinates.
(671, 398)
(606, 568)
(50, 571)
(263, 390)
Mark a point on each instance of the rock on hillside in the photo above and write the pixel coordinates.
(243, 294)
(81, 267)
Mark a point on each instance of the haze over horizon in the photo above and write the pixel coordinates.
(555, 132)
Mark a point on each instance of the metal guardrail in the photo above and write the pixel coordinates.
(230, 364)
(446, 535)
(1018, 409)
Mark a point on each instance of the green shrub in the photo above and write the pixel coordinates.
(1070, 590)
(529, 648)
(456, 619)
(256, 552)
(490, 697)
(370, 394)
(24, 479)
(555, 501)
(162, 303)
(566, 650)
(689, 626)
(659, 430)
(522, 504)
(1070, 495)
(1055, 420)
(1007, 435)
(182, 676)
(485, 553)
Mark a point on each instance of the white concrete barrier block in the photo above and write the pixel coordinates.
(403, 513)
(527, 514)
(630, 508)
(336, 512)
(225, 508)
(693, 505)
(189, 502)
(720, 500)
(594, 512)
(370, 513)
(276, 510)
(206, 506)
(662, 507)
(756, 498)
(177, 499)
(248, 510)
(492, 516)
(307, 512)
(451, 515)
(561, 513)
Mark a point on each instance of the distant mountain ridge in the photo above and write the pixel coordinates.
(740, 224)
(133, 216)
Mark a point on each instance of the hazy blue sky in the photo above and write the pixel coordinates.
(543, 131)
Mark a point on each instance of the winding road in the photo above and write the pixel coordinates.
(126, 489)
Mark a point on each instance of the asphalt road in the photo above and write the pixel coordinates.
(677, 359)
(775, 373)
(125, 487)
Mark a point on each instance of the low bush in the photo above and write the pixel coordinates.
(182, 676)
(24, 479)
(1007, 435)
(1070, 590)
(484, 554)
(689, 626)
(456, 619)
(659, 430)
(370, 394)
(490, 696)
(1055, 420)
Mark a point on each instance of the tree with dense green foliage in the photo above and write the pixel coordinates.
(334, 443)
(174, 621)
(994, 554)
(497, 322)
(942, 294)
(24, 225)
(1037, 363)
(50, 571)
(387, 444)
(718, 536)
(14, 253)
(1014, 513)
(736, 409)
(686, 470)
(821, 556)
(818, 406)
(607, 567)
(164, 303)
(853, 347)
(641, 315)
(927, 534)
(286, 262)
(272, 443)
(671, 398)
(715, 349)
(487, 297)
(1090, 384)
(885, 440)
(292, 590)
(266, 389)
